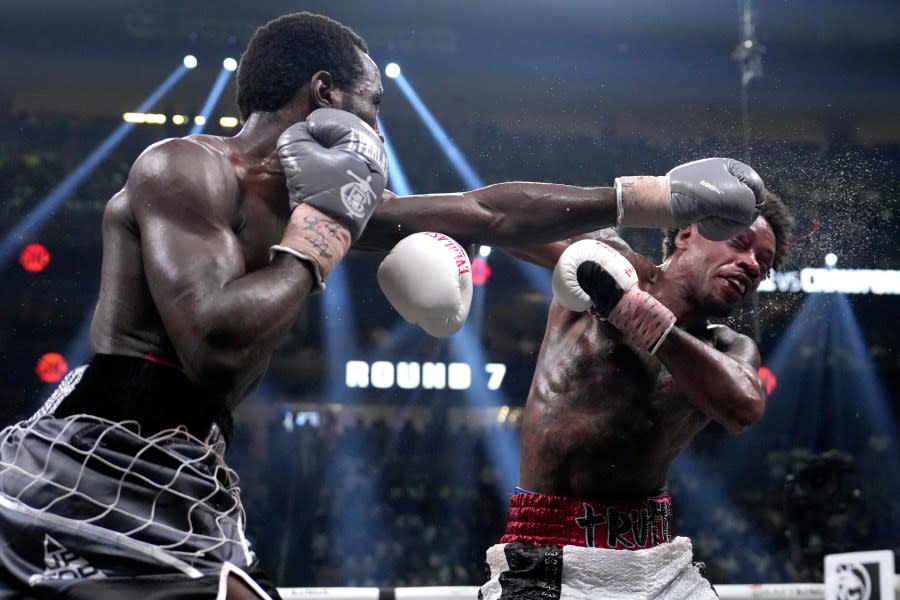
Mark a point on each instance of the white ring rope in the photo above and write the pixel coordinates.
(769, 591)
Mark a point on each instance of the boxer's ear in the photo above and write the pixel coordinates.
(683, 237)
(322, 90)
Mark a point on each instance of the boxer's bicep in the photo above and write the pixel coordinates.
(189, 250)
(542, 255)
(547, 255)
(510, 213)
(400, 216)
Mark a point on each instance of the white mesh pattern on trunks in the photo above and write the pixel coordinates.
(170, 492)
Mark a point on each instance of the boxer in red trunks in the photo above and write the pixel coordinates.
(629, 371)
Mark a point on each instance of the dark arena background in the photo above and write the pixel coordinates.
(375, 456)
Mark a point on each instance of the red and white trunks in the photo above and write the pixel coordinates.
(544, 520)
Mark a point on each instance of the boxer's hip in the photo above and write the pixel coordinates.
(665, 572)
(545, 520)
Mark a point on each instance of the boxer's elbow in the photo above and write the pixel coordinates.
(744, 412)
(502, 212)
(217, 363)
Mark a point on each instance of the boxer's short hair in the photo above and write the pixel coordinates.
(284, 53)
(774, 211)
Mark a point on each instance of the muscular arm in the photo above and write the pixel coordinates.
(722, 383)
(221, 320)
(547, 255)
(499, 214)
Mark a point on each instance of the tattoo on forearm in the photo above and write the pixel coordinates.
(318, 232)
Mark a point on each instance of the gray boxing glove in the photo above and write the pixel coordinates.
(335, 169)
(721, 195)
(336, 163)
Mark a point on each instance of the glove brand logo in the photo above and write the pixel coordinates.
(710, 187)
(369, 149)
(357, 196)
(463, 265)
(62, 563)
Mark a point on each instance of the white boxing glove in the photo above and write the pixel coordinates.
(566, 288)
(591, 275)
(427, 278)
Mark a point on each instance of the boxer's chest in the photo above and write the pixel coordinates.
(259, 225)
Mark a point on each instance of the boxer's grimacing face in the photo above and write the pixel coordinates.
(727, 272)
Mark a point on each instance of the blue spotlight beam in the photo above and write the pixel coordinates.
(397, 180)
(31, 223)
(536, 276)
(465, 170)
(503, 450)
(214, 93)
(339, 334)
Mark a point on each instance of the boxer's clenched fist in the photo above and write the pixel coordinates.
(592, 275)
(719, 194)
(335, 169)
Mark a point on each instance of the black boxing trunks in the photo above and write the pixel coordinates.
(152, 392)
(102, 498)
(559, 548)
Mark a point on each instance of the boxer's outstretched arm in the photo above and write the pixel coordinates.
(722, 383)
(499, 214)
(720, 194)
(221, 320)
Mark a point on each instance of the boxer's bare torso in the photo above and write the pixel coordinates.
(604, 420)
(243, 208)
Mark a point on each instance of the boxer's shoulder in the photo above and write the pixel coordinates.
(724, 338)
(196, 173)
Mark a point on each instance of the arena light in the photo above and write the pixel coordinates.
(831, 259)
(228, 122)
(212, 98)
(229, 64)
(179, 119)
(484, 251)
(397, 180)
(26, 227)
(51, 367)
(453, 154)
(340, 342)
(34, 258)
(392, 70)
(829, 397)
(339, 334)
(189, 61)
(538, 277)
(502, 446)
(481, 271)
(144, 118)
